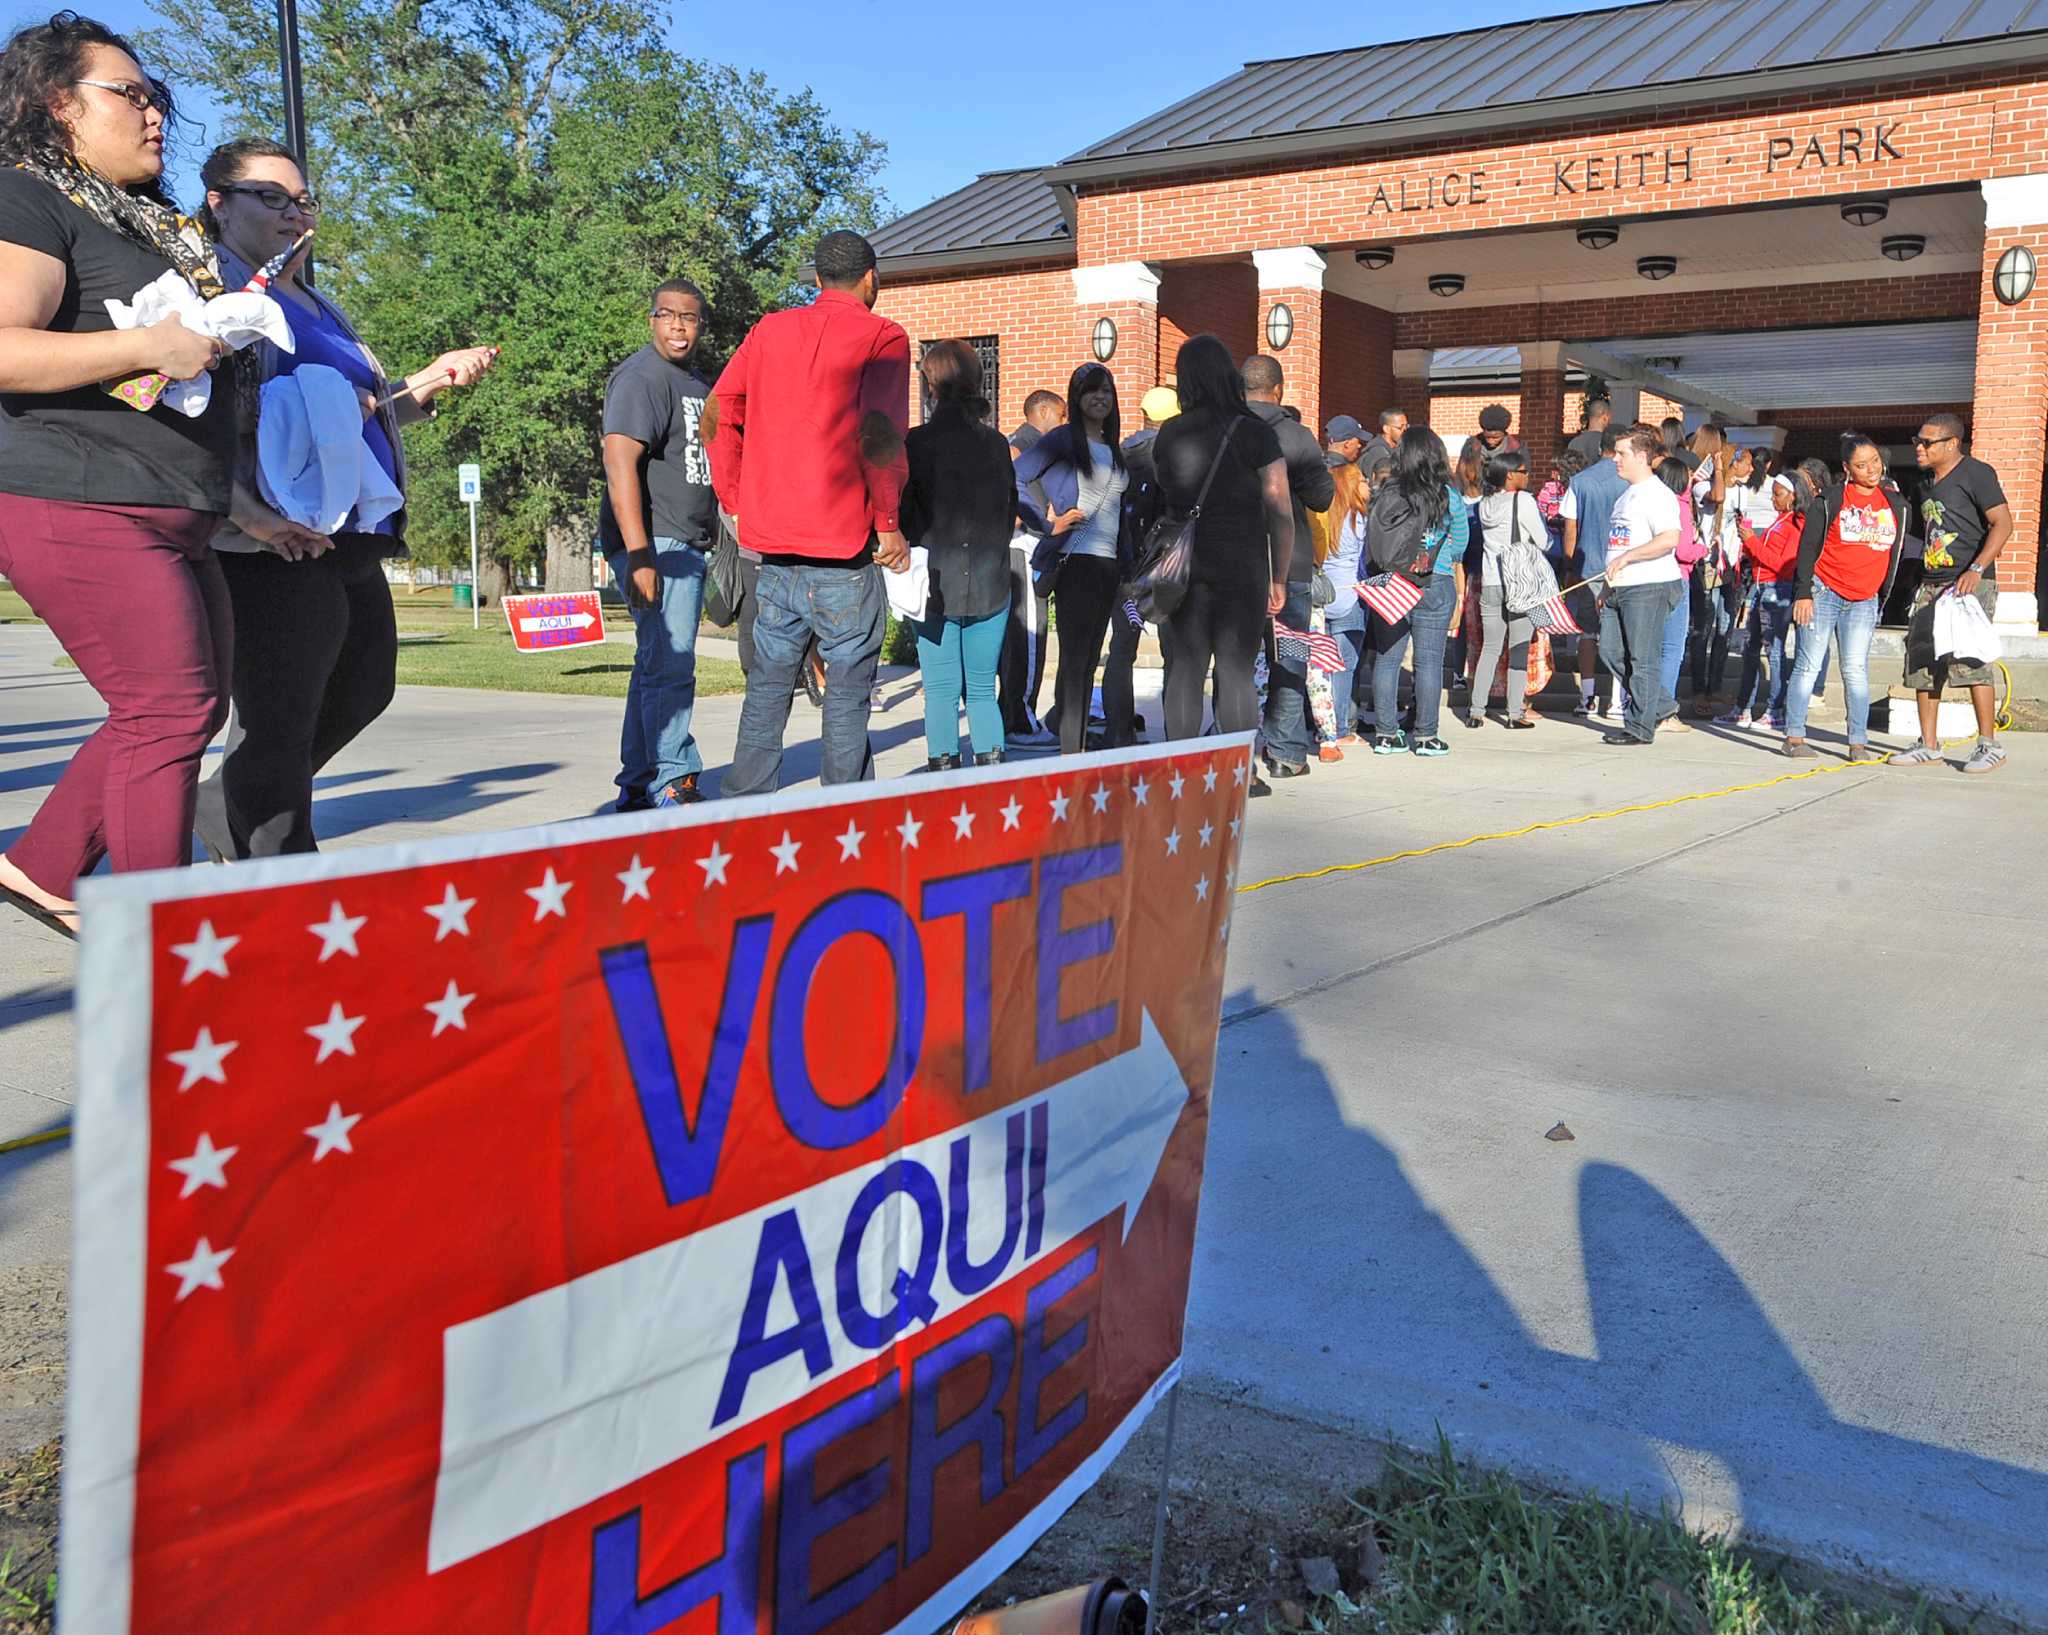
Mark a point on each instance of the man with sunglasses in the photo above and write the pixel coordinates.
(1965, 523)
(658, 521)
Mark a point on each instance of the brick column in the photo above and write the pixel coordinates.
(1294, 278)
(1411, 383)
(1540, 424)
(1127, 293)
(2012, 384)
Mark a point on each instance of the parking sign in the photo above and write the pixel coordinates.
(472, 480)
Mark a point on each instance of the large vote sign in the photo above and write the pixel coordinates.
(762, 1220)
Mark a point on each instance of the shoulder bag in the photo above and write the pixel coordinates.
(1526, 576)
(1166, 559)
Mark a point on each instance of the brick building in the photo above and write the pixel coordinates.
(1789, 218)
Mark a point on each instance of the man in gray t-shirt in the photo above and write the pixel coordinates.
(658, 519)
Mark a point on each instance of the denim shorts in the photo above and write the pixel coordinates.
(1931, 678)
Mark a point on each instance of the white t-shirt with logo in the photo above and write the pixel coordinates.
(1640, 515)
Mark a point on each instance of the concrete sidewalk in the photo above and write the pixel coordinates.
(1789, 1273)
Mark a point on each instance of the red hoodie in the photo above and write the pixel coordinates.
(1776, 551)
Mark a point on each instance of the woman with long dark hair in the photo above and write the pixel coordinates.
(960, 505)
(1244, 540)
(1080, 469)
(1508, 514)
(108, 499)
(1420, 490)
(318, 657)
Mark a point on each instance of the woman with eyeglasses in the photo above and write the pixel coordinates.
(108, 498)
(317, 656)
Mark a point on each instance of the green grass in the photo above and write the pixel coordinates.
(1467, 1552)
(13, 610)
(486, 658)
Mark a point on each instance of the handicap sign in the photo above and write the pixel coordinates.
(471, 478)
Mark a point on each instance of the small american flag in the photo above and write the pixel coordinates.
(1316, 647)
(1391, 595)
(1554, 618)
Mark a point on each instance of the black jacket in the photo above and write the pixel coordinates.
(960, 504)
(1813, 535)
(1308, 479)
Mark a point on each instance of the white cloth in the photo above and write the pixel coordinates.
(910, 591)
(1646, 510)
(239, 317)
(312, 465)
(1962, 630)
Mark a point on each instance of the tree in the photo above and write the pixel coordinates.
(523, 173)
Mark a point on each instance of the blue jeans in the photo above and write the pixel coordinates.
(1635, 639)
(1713, 623)
(1676, 628)
(1349, 631)
(655, 746)
(845, 608)
(1428, 625)
(1288, 734)
(1770, 620)
(1852, 624)
(957, 655)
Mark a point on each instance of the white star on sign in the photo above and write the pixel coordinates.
(337, 933)
(550, 896)
(331, 1133)
(1177, 783)
(1208, 830)
(1140, 790)
(1230, 878)
(201, 1270)
(634, 880)
(1011, 812)
(1201, 888)
(849, 843)
(447, 1011)
(337, 1033)
(1173, 844)
(205, 955)
(909, 829)
(1236, 824)
(203, 1060)
(963, 823)
(1100, 797)
(207, 1167)
(1209, 780)
(785, 854)
(451, 913)
(1059, 808)
(713, 864)
(1237, 772)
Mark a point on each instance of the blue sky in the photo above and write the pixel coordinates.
(1026, 84)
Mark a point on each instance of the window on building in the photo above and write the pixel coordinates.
(988, 348)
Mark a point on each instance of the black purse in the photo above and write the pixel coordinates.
(1166, 559)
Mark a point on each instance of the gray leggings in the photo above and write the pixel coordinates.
(1501, 631)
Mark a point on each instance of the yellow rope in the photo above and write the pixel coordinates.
(62, 1133)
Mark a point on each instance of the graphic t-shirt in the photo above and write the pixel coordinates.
(660, 403)
(1640, 515)
(1858, 549)
(1953, 513)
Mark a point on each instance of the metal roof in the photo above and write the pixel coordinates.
(1656, 55)
(995, 217)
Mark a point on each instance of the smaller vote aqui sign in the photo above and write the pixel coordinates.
(540, 623)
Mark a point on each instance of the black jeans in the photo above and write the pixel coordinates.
(1223, 625)
(1023, 662)
(316, 661)
(1287, 729)
(1632, 646)
(1084, 597)
(1119, 691)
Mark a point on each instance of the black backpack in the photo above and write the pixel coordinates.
(1397, 535)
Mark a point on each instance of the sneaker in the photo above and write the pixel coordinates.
(1036, 738)
(1919, 755)
(1429, 748)
(630, 800)
(1259, 787)
(1625, 740)
(683, 792)
(1583, 707)
(1672, 723)
(1798, 749)
(1734, 718)
(938, 763)
(1390, 743)
(1350, 740)
(1862, 752)
(1329, 752)
(1988, 757)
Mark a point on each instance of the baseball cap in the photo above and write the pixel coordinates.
(1343, 428)
(1494, 418)
(1161, 403)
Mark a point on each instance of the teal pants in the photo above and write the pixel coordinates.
(956, 656)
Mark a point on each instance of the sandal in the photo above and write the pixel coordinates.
(53, 918)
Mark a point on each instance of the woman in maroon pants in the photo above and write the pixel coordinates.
(107, 505)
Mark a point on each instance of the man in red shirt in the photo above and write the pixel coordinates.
(806, 441)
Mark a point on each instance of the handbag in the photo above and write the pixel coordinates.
(722, 576)
(1321, 593)
(1166, 560)
(1526, 577)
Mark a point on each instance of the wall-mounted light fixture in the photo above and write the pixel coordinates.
(1446, 284)
(1280, 326)
(2012, 280)
(1599, 235)
(1104, 339)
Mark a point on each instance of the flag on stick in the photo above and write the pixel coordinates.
(1554, 618)
(1391, 595)
(1314, 647)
